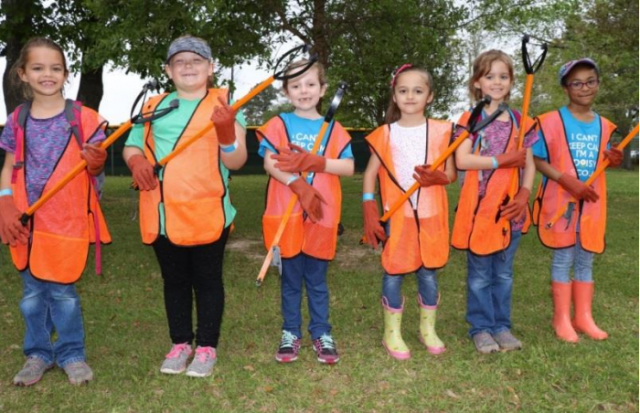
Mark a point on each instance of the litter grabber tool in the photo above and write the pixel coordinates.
(567, 211)
(140, 118)
(472, 127)
(530, 68)
(280, 73)
(274, 251)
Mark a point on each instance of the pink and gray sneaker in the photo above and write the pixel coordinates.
(203, 362)
(32, 371)
(175, 362)
(325, 348)
(289, 347)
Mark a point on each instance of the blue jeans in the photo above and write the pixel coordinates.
(314, 274)
(427, 288)
(576, 257)
(46, 306)
(489, 288)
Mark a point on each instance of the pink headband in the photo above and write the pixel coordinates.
(398, 71)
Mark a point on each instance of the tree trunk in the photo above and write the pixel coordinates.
(12, 94)
(91, 88)
(319, 36)
(18, 16)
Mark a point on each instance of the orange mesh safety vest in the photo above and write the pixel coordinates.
(300, 235)
(551, 197)
(62, 229)
(476, 226)
(192, 188)
(417, 237)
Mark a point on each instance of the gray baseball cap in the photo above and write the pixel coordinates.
(189, 44)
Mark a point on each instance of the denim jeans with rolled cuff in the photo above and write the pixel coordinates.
(48, 307)
(489, 289)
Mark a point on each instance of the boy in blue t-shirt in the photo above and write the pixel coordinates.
(574, 139)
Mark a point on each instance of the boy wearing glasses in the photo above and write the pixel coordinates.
(574, 141)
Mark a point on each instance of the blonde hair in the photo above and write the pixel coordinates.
(20, 65)
(322, 77)
(482, 66)
(393, 113)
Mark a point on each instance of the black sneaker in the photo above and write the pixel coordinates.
(289, 348)
(325, 348)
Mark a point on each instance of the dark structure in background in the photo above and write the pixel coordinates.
(115, 164)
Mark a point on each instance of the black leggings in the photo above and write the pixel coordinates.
(197, 269)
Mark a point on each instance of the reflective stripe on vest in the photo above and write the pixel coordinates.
(318, 240)
(62, 229)
(475, 225)
(551, 196)
(192, 189)
(417, 237)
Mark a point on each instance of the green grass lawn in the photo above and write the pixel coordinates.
(127, 335)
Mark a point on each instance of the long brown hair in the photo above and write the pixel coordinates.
(20, 65)
(482, 66)
(393, 113)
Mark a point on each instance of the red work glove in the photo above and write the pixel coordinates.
(373, 231)
(577, 188)
(614, 155)
(309, 198)
(513, 159)
(95, 157)
(426, 177)
(224, 121)
(11, 230)
(517, 207)
(298, 161)
(142, 172)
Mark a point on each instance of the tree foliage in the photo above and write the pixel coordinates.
(19, 21)
(133, 34)
(606, 31)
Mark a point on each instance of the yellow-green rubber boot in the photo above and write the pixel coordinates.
(392, 340)
(428, 335)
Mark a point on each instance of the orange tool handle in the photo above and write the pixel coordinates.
(595, 175)
(73, 173)
(288, 211)
(237, 105)
(416, 185)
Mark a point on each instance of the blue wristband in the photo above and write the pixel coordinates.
(292, 179)
(495, 162)
(5, 192)
(229, 148)
(368, 196)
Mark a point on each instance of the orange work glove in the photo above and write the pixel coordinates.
(224, 121)
(373, 231)
(11, 230)
(95, 157)
(426, 177)
(142, 172)
(577, 188)
(298, 161)
(614, 156)
(513, 159)
(310, 199)
(515, 209)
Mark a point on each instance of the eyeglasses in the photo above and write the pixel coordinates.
(577, 85)
(180, 63)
